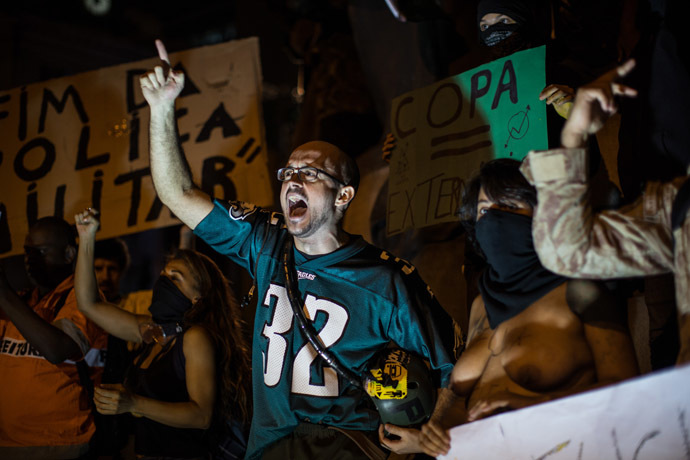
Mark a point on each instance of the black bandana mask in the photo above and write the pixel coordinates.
(168, 304)
(497, 33)
(514, 278)
(504, 39)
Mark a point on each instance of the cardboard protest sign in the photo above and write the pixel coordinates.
(643, 418)
(80, 141)
(447, 130)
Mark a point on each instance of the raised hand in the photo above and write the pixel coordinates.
(594, 104)
(388, 147)
(162, 85)
(87, 223)
(560, 97)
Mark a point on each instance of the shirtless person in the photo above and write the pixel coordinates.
(533, 336)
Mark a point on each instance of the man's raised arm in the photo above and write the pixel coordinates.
(169, 169)
(569, 237)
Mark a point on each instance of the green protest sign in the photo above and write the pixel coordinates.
(447, 130)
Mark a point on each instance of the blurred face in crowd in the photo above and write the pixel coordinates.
(47, 257)
(108, 275)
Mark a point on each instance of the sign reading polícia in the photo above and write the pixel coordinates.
(82, 141)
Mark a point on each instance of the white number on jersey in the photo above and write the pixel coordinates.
(331, 332)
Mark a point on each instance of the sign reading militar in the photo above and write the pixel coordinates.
(80, 141)
(447, 130)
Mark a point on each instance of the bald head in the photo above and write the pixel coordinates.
(335, 160)
(60, 232)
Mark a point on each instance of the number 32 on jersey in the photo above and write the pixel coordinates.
(276, 350)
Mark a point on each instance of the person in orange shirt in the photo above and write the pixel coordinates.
(44, 409)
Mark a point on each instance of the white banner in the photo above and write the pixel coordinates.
(647, 418)
(80, 141)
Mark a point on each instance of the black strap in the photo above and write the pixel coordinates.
(60, 303)
(305, 326)
(246, 300)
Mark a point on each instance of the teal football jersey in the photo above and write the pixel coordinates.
(359, 299)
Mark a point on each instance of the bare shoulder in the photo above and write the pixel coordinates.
(197, 340)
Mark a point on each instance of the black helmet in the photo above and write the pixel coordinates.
(401, 387)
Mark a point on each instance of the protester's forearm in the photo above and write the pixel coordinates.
(178, 415)
(572, 140)
(111, 318)
(85, 285)
(574, 241)
(169, 169)
(54, 344)
(444, 413)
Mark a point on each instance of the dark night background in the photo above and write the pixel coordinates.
(375, 58)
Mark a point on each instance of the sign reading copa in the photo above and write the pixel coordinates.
(80, 141)
(447, 130)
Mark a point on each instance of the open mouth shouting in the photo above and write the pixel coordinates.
(297, 206)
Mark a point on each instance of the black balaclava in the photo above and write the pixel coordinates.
(168, 304)
(514, 278)
(505, 39)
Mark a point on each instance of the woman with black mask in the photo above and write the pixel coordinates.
(193, 370)
(533, 336)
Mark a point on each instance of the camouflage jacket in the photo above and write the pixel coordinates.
(636, 240)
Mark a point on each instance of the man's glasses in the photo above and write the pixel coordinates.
(305, 174)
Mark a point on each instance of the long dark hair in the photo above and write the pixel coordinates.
(218, 313)
(503, 183)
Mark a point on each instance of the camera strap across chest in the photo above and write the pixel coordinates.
(305, 326)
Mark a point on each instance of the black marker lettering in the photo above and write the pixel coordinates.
(97, 189)
(44, 168)
(218, 119)
(455, 90)
(83, 160)
(134, 137)
(5, 236)
(49, 98)
(475, 91)
(510, 85)
(135, 177)
(215, 173)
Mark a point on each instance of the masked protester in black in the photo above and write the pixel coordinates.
(533, 336)
(508, 26)
(190, 383)
(505, 27)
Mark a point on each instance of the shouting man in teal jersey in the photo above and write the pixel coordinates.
(359, 298)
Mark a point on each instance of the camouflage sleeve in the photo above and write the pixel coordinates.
(681, 270)
(573, 241)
